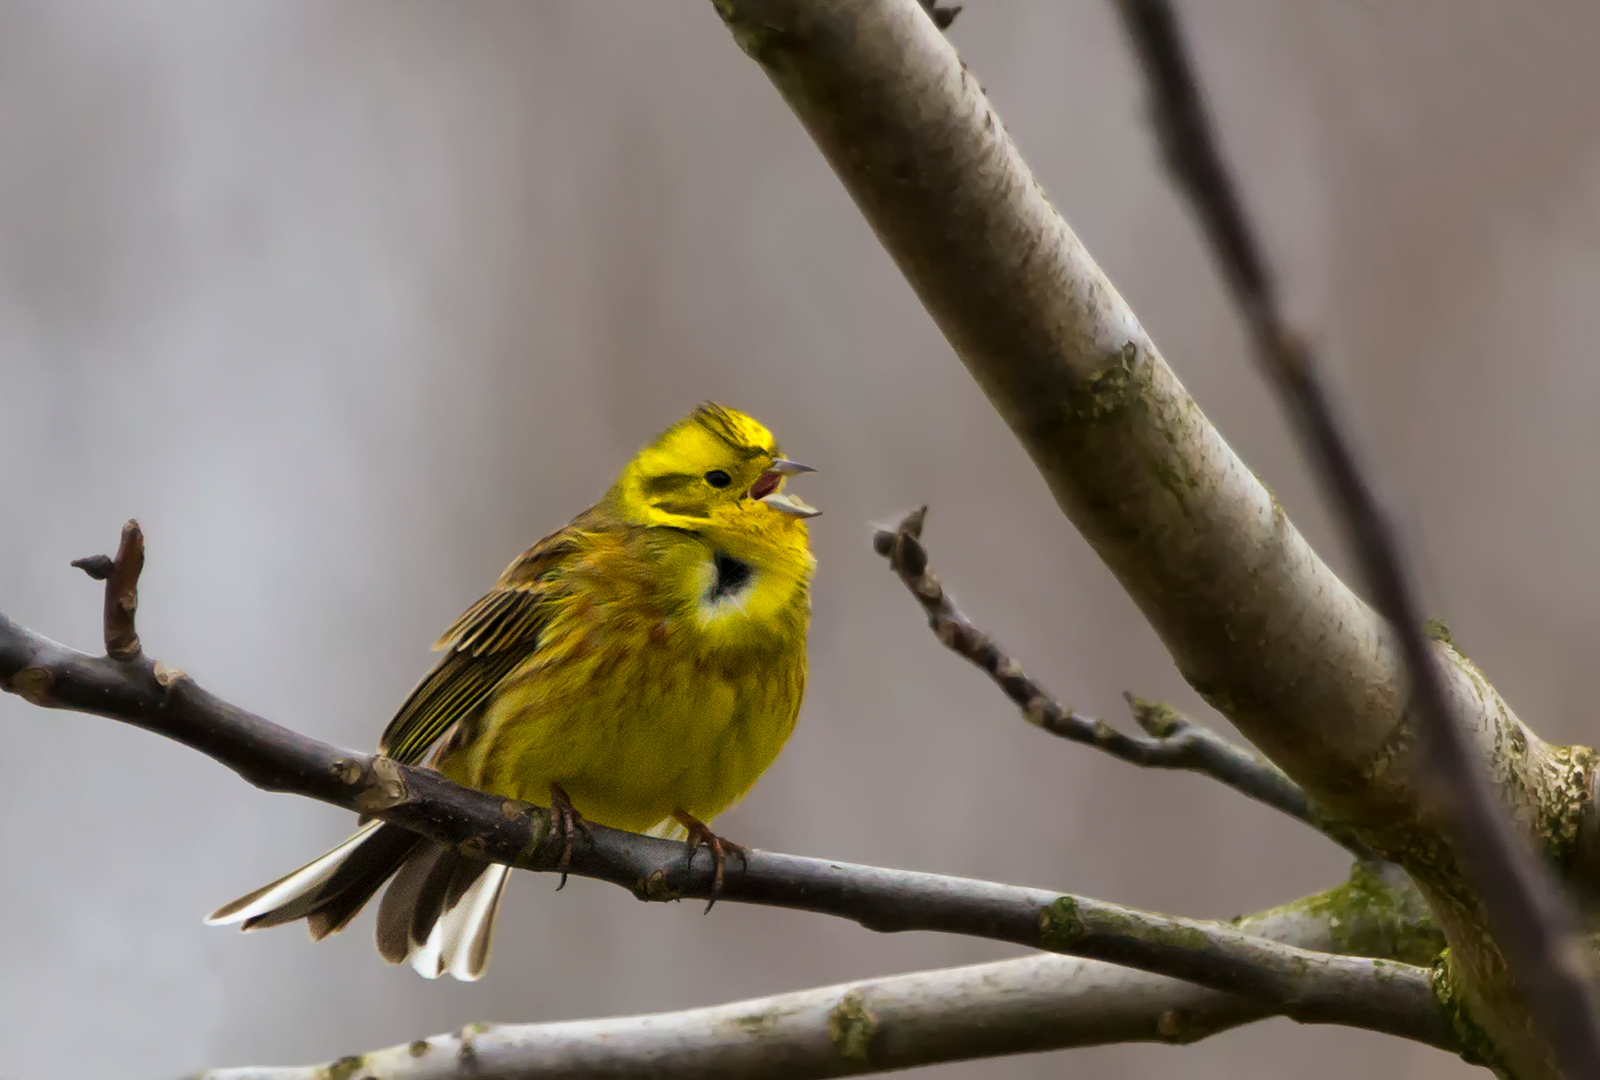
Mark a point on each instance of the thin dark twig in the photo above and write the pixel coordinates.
(1307, 985)
(943, 17)
(1172, 740)
(1530, 920)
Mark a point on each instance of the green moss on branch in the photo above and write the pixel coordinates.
(1375, 913)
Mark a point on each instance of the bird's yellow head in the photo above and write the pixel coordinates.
(719, 474)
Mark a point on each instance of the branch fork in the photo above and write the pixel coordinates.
(1171, 740)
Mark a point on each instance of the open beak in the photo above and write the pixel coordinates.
(788, 504)
(788, 468)
(765, 489)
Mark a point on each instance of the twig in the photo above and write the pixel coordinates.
(943, 17)
(121, 576)
(1172, 740)
(1530, 921)
(1306, 985)
(1017, 1006)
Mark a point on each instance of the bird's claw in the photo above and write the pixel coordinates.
(720, 848)
(569, 822)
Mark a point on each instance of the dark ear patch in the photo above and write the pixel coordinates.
(667, 484)
(765, 485)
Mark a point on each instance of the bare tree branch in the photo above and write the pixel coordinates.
(876, 1025)
(1254, 620)
(985, 1010)
(1532, 925)
(1172, 741)
(1311, 986)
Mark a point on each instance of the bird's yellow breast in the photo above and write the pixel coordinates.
(667, 678)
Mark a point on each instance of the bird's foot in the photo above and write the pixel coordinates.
(701, 834)
(568, 823)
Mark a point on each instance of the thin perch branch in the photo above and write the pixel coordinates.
(1306, 985)
(1532, 924)
(1173, 741)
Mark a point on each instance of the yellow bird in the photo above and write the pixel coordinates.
(640, 668)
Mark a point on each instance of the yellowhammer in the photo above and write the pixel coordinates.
(641, 666)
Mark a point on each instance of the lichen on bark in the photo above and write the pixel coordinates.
(1477, 1046)
(1376, 912)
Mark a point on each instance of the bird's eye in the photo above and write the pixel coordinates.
(718, 479)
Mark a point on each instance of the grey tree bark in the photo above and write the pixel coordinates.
(1254, 619)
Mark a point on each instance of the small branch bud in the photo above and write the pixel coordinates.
(96, 566)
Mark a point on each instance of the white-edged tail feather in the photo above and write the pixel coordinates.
(458, 942)
(427, 959)
(292, 886)
(468, 925)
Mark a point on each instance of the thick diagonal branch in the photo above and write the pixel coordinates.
(1303, 984)
(1534, 928)
(1256, 622)
(1172, 741)
(875, 1025)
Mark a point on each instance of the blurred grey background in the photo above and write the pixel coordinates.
(348, 303)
